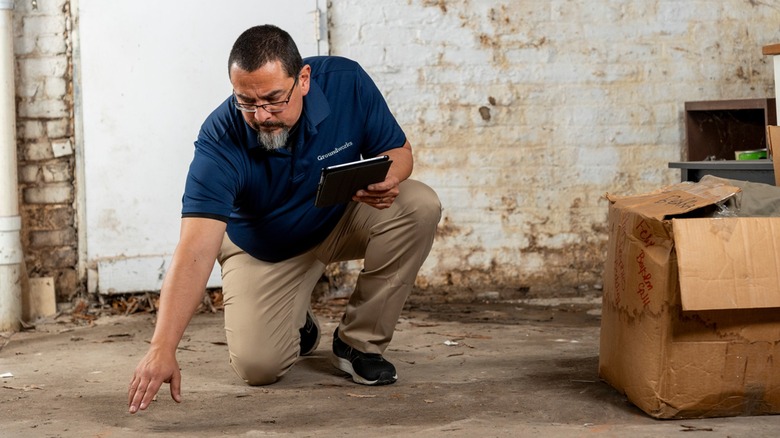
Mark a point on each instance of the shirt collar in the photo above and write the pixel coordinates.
(316, 107)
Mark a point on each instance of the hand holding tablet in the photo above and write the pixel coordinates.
(338, 184)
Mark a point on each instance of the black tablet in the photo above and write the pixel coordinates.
(338, 184)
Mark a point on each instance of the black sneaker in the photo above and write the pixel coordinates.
(310, 334)
(365, 368)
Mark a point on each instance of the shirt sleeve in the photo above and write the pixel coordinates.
(212, 183)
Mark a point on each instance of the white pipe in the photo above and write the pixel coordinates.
(10, 221)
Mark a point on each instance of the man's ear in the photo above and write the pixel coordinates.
(305, 79)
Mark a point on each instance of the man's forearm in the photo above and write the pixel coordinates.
(179, 298)
(402, 161)
(185, 282)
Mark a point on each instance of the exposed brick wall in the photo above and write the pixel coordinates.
(522, 114)
(44, 108)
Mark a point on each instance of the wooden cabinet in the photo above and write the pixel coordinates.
(716, 129)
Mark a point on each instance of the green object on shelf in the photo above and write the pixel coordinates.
(757, 154)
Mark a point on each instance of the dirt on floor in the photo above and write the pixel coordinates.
(488, 369)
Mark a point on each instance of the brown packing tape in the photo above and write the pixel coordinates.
(773, 144)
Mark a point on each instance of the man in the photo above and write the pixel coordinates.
(249, 203)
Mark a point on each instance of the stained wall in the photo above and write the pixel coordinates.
(522, 115)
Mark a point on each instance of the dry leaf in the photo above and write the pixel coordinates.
(24, 388)
(361, 395)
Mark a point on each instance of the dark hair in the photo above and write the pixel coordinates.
(260, 45)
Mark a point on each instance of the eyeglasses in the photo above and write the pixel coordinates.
(272, 107)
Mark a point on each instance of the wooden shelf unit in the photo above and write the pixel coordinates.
(718, 128)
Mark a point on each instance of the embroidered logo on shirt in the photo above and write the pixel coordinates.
(334, 151)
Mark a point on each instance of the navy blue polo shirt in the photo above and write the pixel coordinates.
(267, 198)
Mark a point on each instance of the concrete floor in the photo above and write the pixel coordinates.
(509, 369)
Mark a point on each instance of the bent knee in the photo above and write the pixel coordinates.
(424, 201)
(257, 371)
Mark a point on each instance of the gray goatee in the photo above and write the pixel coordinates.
(272, 141)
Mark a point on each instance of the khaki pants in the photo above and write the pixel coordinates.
(265, 303)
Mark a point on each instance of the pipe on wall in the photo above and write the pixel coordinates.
(11, 258)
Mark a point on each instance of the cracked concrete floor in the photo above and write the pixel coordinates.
(519, 368)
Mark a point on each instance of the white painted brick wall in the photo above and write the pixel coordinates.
(523, 114)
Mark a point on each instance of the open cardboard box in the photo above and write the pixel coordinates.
(690, 323)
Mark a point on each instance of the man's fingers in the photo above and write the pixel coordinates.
(176, 387)
(131, 391)
(143, 394)
(151, 373)
(136, 394)
(151, 391)
(385, 202)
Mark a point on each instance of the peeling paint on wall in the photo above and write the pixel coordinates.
(522, 115)
(44, 93)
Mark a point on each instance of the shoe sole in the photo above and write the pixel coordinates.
(346, 366)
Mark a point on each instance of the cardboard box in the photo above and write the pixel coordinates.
(773, 144)
(690, 326)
